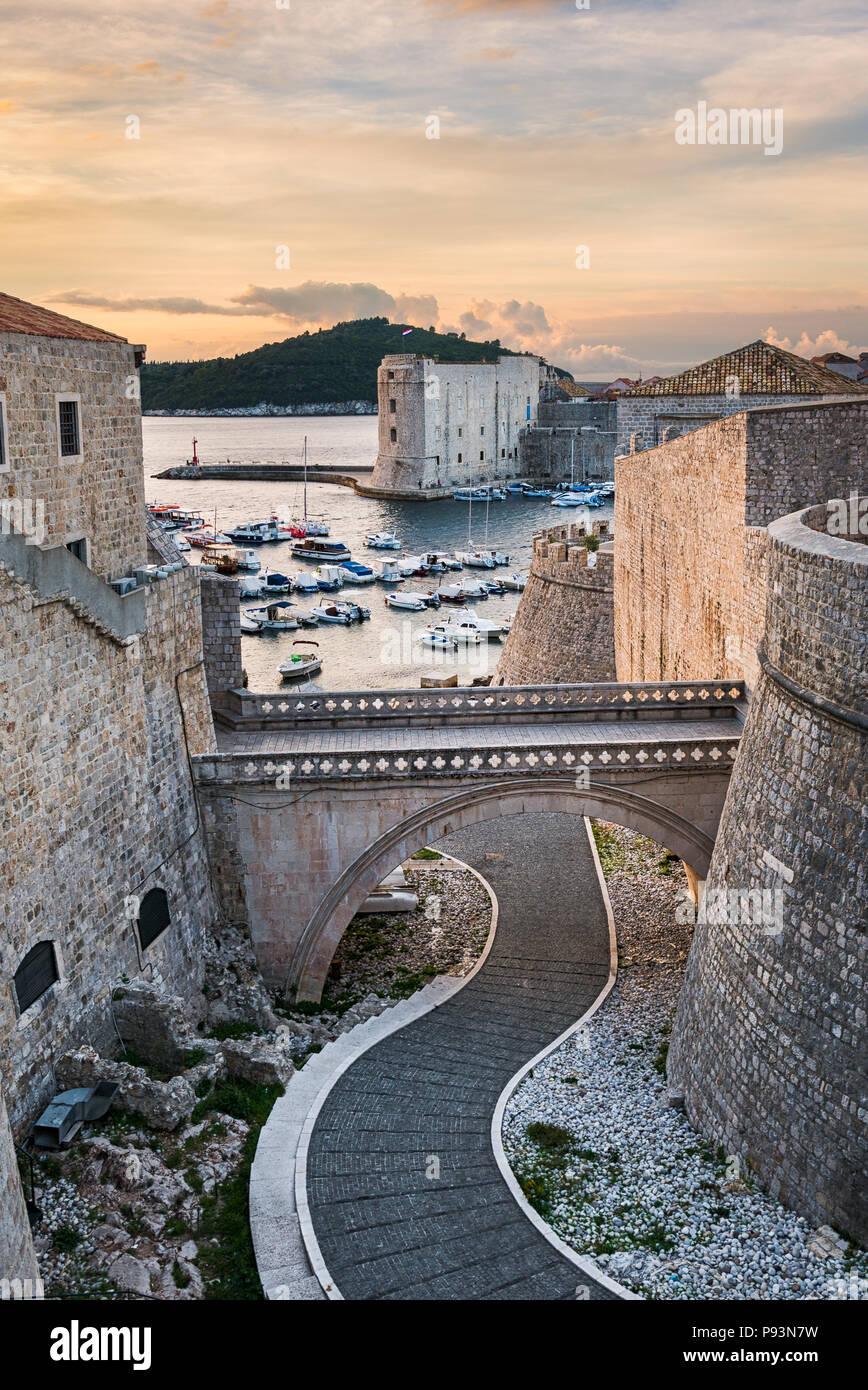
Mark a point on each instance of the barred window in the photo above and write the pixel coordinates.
(36, 973)
(154, 916)
(70, 434)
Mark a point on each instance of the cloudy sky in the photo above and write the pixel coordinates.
(281, 174)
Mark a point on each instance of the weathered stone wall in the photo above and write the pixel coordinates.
(563, 630)
(769, 1040)
(221, 634)
(99, 496)
(558, 454)
(17, 1258)
(652, 420)
(455, 423)
(98, 808)
(689, 527)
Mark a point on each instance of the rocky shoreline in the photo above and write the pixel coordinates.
(604, 1153)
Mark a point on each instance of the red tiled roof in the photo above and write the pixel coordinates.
(762, 370)
(17, 316)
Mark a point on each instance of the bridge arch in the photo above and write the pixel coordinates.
(334, 912)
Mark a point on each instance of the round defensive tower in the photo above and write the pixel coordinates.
(768, 1044)
(564, 627)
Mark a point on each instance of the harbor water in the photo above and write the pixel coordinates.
(384, 651)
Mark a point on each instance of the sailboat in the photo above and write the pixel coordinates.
(307, 526)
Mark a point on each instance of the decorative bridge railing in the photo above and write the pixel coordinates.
(525, 704)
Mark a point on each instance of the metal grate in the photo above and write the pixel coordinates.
(36, 973)
(70, 437)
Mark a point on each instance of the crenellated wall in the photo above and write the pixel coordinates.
(563, 630)
(769, 1043)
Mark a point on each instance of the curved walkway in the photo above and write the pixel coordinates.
(404, 1191)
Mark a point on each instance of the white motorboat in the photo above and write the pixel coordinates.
(329, 578)
(476, 559)
(340, 613)
(250, 586)
(255, 533)
(514, 582)
(354, 572)
(271, 582)
(249, 625)
(484, 626)
(314, 549)
(570, 499)
(448, 562)
(390, 574)
(301, 664)
(275, 617)
(180, 542)
(413, 564)
(305, 583)
(382, 540)
(499, 557)
(414, 603)
(458, 631)
(441, 641)
(474, 588)
(248, 560)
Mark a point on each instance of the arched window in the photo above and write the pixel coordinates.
(154, 916)
(36, 973)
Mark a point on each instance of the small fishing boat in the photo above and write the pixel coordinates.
(536, 492)
(452, 593)
(499, 557)
(515, 487)
(305, 583)
(180, 541)
(413, 564)
(413, 603)
(447, 562)
(250, 626)
(570, 499)
(312, 549)
(275, 617)
(390, 573)
(205, 537)
(382, 540)
(337, 613)
(432, 561)
(440, 640)
(220, 559)
(329, 578)
(494, 586)
(514, 582)
(471, 494)
(354, 572)
(308, 620)
(273, 583)
(255, 533)
(248, 560)
(249, 586)
(476, 559)
(474, 588)
(301, 664)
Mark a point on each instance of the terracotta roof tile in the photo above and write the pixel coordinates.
(17, 316)
(762, 370)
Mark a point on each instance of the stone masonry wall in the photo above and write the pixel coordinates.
(17, 1258)
(690, 520)
(769, 1044)
(648, 417)
(99, 496)
(564, 627)
(98, 808)
(221, 634)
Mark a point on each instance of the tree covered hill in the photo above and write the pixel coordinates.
(334, 364)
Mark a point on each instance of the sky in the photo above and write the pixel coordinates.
(204, 178)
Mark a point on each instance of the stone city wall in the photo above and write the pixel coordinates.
(768, 1045)
(98, 808)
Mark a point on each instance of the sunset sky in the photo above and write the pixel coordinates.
(302, 123)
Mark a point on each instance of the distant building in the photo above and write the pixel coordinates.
(452, 424)
(756, 375)
(855, 369)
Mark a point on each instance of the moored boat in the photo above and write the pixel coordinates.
(382, 540)
(314, 549)
(413, 603)
(275, 617)
(301, 664)
(354, 572)
(255, 533)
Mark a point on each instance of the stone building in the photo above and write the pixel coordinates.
(573, 439)
(753, 376)
(691, 538)
(769, 1042)
(105, 874)
(563, 630)
(451, 424)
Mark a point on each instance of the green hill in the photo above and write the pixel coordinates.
(335, 364)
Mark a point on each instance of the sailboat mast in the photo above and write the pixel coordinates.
(572, 458)
(305, 477)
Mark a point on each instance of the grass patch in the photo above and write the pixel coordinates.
(223, 1031)
(182, 1280)
(66, 1239)
(408, 983)
(426, 854)
(550, 1137)
(609, 848)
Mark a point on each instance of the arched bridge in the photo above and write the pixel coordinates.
(314, 797)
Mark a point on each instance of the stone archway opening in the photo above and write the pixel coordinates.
(325, 928)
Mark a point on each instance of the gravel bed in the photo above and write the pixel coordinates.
(618, 1172)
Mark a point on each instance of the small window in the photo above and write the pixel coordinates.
(36, 974)
(436, 431)
(481, 455)
(503, 453)
(78, 549)
(393, 406)
(460, 432)
(391, 376)
(70, 433)
(460, 459)
(460, 402)
(393, 435)
(154, 916)
(4, 448)
(482, 429)
(481, 402)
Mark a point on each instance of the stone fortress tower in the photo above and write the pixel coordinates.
(102, 676)
(451, 424)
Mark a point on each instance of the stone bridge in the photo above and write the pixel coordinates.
(314, 797)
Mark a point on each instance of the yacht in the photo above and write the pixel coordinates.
(458, 631)
(255, 533)
(476, 559)
(484, 626)
(314, 549)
